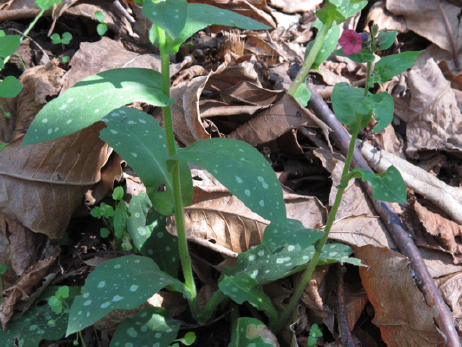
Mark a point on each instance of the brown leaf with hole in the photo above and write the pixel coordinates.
(284, 115)
(401, 313)
(42, 184)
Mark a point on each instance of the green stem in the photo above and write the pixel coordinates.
(310, 59)
(320, 244)
(216, 299)
(368, 77)
(179, 209)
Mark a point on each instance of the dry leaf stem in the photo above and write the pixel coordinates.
(424, 281)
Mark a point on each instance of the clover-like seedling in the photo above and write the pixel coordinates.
(64, 40)
(101, 28)
(314, 334)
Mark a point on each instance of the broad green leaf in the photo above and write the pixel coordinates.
(10, 87)
(66, 39)
(386, 39)
(338, 252)
(33, 326)
(118, 193)
(9, 44)
(328, 45)
(349, 102)
(99, 16)
(93, 98)
(383, 106)
(388, 186)
(101, 29)
(120, 219)
(290, 233)
(393, 65)
(139, 139)
(251, 333)
(241, 169)
(339, 10)
(148, 230)
(244, 288)
(152, 326)
(55, 39)
(46, 4)
(170, 15)
(201, 16)
(364, 56)
(120, 283)
(303, 94)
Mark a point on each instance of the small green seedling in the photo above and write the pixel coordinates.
(101, 28)
(188, 339)
(314, 334)
(64, 40)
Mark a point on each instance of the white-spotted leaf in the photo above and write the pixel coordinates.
(245, 288)
(339, 10)
(120, 283)
(252, 332)
(152, 326)
(328, 45)
(92, 99)
(147, 227)
(243, 170)
(388, 186)
(170, 15)
(140, 141)
(290, 233)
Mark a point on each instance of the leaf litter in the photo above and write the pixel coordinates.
(240, 96)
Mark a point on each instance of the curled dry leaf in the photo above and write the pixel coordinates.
(400, 309)
(450, 287)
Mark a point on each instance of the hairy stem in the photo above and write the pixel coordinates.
(300, 78)
(179, 209)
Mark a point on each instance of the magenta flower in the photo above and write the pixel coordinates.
(351, 42)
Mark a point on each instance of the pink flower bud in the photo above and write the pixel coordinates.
(351, 42)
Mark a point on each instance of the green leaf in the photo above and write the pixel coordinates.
(328, 45)
(393, 65)
(101, 29)
(120, 283)
(3, 145)
(67, 37)
(33, 326)
(303, 94)
(349, 102)
(64, 60)
(118, 193)
(251, 333)
(201, 16)
(63, 292)
(139, 139)
(364, 56)
(46, 4)
(10, 87)
(55, 39)
(386, 39)
(170, 15)
(290, 233)
(383, 106)
(104, 232)
(189, 338)
(388, 186)
(99, 16)
(3, 269)
(339, 10)
(245, 288)
(148, 230)
(120, 219)
(9, 44)
(152, 326)
(93, 98)
(243, 170)
(55, 304)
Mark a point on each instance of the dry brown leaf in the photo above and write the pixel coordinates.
(431, 113)
(315, 294)
(355, 301)
(451, 291)
(379, 15)
(401, 313)
(284, 115)
(295, 5)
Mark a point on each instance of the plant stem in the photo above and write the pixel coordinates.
(310, 59)
(179, 210)
(320, 244)
(368, 77)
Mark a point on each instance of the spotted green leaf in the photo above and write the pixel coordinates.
(328, 45)
(152, 326)
(292, 232)
(140, 141)
(9, 44)
(393, 65)
(251, 332)
(201, 16)
(147, 227)
(38, 323)
(245, 288)
(388, 186)
(93, 98)
(120, 283)
(170, 15)
(120, 219)
(10, 87)
(339, 10)
(243, 170)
